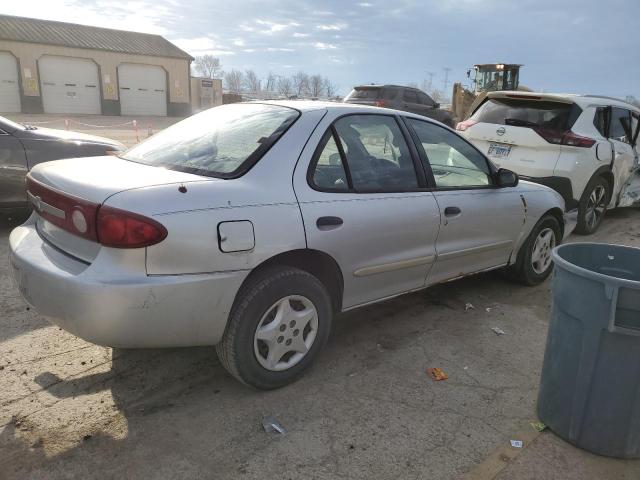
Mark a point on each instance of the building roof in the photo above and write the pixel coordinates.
(31, 30)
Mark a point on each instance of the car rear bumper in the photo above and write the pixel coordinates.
(120, 308)
(562, 185)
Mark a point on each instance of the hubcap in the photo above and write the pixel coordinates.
(286, 333)
(596, 206)
(541, 255)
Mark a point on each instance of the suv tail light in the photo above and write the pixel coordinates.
(462, 126)
(568, 138)
(108, 226)
(121, 229)
(381, 103)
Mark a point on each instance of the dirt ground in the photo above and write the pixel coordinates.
(366, 410)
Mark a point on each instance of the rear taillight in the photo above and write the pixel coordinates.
(462, 126)
(121, 229)
(568, 138)
(381, 103)
(108, 226)
(72, 214)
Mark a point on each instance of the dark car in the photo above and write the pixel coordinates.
(23, 146)
(407, 99)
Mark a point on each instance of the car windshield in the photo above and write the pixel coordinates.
(526, 113)
(364, 93)
(221, 142)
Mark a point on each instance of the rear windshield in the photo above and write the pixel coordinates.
(365, 93)
(221, 142)
(527, 113)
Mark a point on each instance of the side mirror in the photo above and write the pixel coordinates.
(507, 178)
(468, 73)
(436, 105)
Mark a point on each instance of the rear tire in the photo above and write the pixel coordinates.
(534, 264)
(279, 322)
(593, 205)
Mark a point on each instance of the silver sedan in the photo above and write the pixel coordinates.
(250, 226)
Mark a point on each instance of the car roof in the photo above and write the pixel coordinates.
(580, 100)
(342, 108)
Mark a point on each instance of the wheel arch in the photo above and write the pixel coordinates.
(606, 173)
(315, 262)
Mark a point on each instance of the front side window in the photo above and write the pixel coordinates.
(454, 162)
(220, 142)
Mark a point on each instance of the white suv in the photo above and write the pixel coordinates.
(584, 147)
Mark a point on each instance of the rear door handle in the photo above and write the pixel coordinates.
(328, 223)
(452, 211)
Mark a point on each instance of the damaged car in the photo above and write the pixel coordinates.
(251, 226)
(582, 146)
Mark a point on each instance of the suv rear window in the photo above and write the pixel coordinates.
(547, 115)
(365, 93)
(221, 142)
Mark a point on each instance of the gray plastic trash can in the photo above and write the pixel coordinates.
(590, 383)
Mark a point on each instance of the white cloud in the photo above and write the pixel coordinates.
(202, 45)
(238, 42)
(365, 4)
(301, 35)
(332, 27)
(325, 46)
(275, 27)
(279, 49)
(322, 13)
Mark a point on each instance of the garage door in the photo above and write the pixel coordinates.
(143, 89)
(69, 85)
(9, 86)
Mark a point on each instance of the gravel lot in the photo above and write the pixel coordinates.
(70, 409)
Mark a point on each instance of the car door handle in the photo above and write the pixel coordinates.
(328, 223)
(452, 211)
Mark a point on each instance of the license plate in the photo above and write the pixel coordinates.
(499, 150)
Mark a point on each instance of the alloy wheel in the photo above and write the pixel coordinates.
(596, 206)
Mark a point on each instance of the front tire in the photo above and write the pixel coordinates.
(534, 263)
(279, 322)
(593, 205)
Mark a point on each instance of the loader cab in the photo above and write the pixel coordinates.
(491, 77)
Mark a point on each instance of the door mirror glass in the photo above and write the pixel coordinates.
(507, 178)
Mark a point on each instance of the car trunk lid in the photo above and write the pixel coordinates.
(60, 189)
(522, 133)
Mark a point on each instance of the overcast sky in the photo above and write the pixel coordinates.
(577, 46)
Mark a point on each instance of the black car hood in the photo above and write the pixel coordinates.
(64, 135)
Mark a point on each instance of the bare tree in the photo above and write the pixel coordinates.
(284, 86)
(233, 80)
(330, 88)
(208, 66)
(251, 81)
(271, 83)
(316, 86)
(300, 83)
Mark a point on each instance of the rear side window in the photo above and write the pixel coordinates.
(410, 96)
(221, 142)
(365, 93)
(547, 115)
(620, 124)
(376, 157)
(426, 99)
(601, 120)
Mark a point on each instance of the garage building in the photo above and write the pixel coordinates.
(66, 68)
